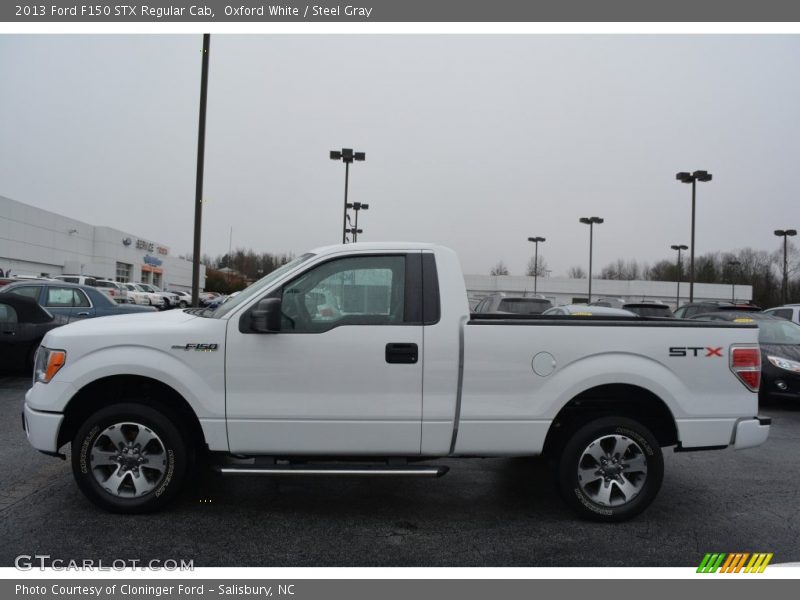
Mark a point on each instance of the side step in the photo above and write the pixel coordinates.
(330, 470)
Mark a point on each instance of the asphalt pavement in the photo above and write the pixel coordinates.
(485, 512)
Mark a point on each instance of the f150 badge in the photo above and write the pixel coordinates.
(695, 351)
(197, 347)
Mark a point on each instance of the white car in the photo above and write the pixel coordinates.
(184, 298)
(116, 291)
(142, 296)
(399, 374)
(171, 300)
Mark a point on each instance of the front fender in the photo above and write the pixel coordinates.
(197, 376)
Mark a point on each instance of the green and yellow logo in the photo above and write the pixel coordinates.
(735, 563)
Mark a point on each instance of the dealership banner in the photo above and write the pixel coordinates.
(98, 11)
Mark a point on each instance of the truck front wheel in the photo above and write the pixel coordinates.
(129, 458)
(610, 469)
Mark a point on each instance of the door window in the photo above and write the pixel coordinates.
(7, 314)
(366, 290)
(65, 298)
(29, 291)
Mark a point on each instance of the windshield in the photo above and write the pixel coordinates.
(778, 332)
(139, 287)
(257, 287)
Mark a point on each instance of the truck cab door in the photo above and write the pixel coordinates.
(343, 375)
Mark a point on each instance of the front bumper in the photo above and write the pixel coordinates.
(751, 432)
(42, 428)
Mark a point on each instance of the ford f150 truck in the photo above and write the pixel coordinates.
(363, 359)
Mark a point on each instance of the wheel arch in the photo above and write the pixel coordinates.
(116, 389)
(619, 399)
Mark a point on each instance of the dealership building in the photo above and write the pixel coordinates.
(43, 243)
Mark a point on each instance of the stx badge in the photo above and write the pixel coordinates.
(695, 351)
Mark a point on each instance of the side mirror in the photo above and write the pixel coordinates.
(266, 316)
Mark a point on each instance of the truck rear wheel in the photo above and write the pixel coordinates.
(130, 458)
(610, 469)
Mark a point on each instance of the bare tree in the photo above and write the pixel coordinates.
(499, 269)
(576, 272)
(539, 270)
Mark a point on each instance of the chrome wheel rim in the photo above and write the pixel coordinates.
(612, 470)
(128, 460)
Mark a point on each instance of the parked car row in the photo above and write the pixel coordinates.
(30, 308)
(779, 328)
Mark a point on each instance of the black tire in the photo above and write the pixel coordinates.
(641, 484)
(175, 459)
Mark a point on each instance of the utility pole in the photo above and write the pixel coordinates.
(201, 148)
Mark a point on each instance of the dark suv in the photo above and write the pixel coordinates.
(690, 309)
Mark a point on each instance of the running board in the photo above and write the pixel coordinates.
(324, 470)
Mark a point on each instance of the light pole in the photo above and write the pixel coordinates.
(693, 178)
(347, 156)
(198, 189)
(591, 222)
(357, 206)
(679, 247)
(733, 264)
(536, 241)
(785, 233)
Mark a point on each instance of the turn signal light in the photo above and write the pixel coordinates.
(746, 365)
(48, 363)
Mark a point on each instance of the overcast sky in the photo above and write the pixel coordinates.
(476, 142)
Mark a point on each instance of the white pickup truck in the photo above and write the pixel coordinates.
(364, 359)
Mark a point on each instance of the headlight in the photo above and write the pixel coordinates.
(48, 363)
(785, 363)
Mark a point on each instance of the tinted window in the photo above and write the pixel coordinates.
(523, 306)
(7, 314)
(29, 291)
(650, 311)
(783, 313)
(778, 332)
(690, 311)
(69, 279)
(366, 290)
(65, 297)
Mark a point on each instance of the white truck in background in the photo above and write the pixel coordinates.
(363, 359)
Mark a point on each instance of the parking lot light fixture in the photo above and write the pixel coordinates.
(679, 248)
(591, 222)
(785, 233)
(354, 231)
(358, 206)
(693, 178)
(536, 241)
(347, 156)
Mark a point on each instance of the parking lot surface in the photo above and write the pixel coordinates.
(485, 512)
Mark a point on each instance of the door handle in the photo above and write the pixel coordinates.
(83, 314)
(403, 354)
